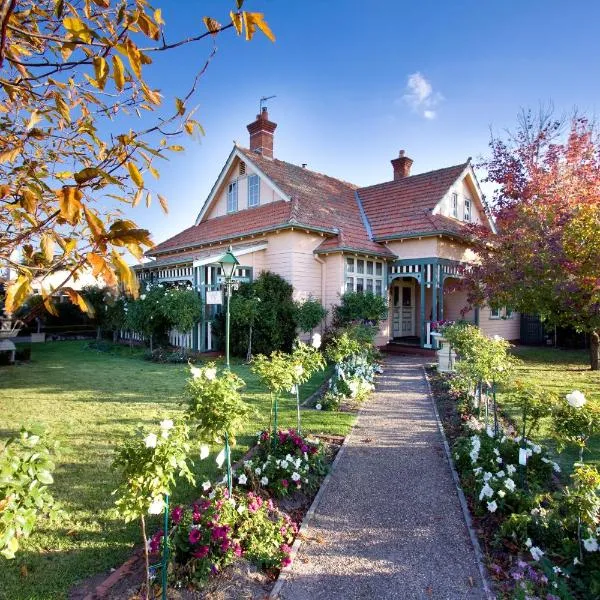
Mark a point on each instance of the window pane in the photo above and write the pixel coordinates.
(369, 267)
(350, 265)
(349, 284)
(360, 266)
(378, 287)
(455, 205)
(378, 269)
(360, 284)
(232, 203)
(369, 285)
(406, 296)
(495, 312)
(253, 190)
(467, 210)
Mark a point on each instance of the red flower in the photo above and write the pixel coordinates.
(194, 536)
(284, 483)
(202, 552)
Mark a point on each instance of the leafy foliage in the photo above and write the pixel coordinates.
(74, 79)
(26, 465)
(215, 406)
(266, 305)
(545, 258)
(360, 307)
(309, 314)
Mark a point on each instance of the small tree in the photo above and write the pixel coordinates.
(26, 465)
(360, 307)
(309, 314)
(99, 299)
(244, 312)
(149, 464)
(306, 361)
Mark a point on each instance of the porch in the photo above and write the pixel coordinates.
(421, 293)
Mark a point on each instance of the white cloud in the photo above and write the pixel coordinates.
(421, 97)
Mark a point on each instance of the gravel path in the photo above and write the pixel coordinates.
(389, 524)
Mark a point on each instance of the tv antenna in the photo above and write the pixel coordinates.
(263, 101)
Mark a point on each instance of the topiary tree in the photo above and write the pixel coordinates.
(309, 314)
(362, 307)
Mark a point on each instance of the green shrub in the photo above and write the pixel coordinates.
(309, 314)
(360, 307)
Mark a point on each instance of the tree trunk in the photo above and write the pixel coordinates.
(98, 334)
(115, 338)
(249, 353)
(151, 345)
(595, 350)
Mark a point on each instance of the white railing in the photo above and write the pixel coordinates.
(181, 340)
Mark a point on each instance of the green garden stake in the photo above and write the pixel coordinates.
(165, 556)
(228, 462)
(274, 440)
(495, 408)
(298, 407)
(486, 406)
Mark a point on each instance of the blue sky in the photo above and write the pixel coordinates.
(357, 81)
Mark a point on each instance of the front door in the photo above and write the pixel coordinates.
(403, 309)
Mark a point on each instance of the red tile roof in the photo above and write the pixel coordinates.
(405, 206)
(332, 206)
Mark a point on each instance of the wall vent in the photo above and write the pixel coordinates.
(242, 168)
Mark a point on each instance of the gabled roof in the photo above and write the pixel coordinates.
(404, 207)
(352, 218)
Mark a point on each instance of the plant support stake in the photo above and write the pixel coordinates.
(298, 408)
(228, 462)
(165, 556)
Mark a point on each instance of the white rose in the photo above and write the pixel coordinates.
(264, 480)
(492, 506)
(536, 553)
(299, 370)
(242, 479)
(591, 544)
(166, 424)
(210, 373)
(157, 506)
(295, 476)
(150, 440)
(318, 407)
(206, 486)
(575, 399)
(204, 451)
(316, 340)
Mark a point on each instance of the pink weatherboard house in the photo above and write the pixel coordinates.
(403, 239)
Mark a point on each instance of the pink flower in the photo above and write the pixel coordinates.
(237, 550)
(154, 545)
(286, 562)
(176, 514)
(285, 548)
(270, 504)
(284, 483)
(202, 552)
(194, 536)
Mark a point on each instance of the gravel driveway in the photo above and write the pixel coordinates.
(389, 524)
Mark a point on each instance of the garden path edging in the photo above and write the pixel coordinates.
(487, 588)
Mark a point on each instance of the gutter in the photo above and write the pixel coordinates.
(354, 251)
(405, 236)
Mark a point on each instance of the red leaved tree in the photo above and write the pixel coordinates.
(545, 257)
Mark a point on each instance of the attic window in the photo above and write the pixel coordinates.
(467, 211)
(242, 168)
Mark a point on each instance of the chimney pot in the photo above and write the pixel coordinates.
(261, 134)
(401, 166)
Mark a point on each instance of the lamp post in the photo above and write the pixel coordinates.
(228, 263)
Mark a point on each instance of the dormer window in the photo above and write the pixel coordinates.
(454, 205)
(232, 197)
(467, 211)
(253, 191)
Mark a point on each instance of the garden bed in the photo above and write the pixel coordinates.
(239, 580)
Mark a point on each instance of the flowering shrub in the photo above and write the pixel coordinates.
(217, 529)
(149, 464)
(294, 463)
(440, 326)
(215, 406)
(26, 463)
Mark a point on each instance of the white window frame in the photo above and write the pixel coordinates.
(253, 191)
(352, 276)
(498, 312)
(232, 197)
(467, 210)
(454, 205)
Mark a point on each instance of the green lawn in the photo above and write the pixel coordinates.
(559, 371)
(90, 401)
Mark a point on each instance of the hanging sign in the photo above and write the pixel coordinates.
(214, 297)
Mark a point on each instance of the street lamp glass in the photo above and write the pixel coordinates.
(228, 264)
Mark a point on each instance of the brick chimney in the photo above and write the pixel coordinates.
(261, 134)
(402, 166)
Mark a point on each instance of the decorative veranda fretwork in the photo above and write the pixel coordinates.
(430, 274)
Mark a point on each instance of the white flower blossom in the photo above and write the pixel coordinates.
(142, 296)
(299, 370)
(284, 464)
(528, 542)
(204, 451)
(492, 506)
(241, 508)
(196, 372)
(210, 373)
(157, 506)
(316, 340)
(501, 493)
(591, 544)
(295, 476)
(206, 486)
(576, 561)
(264, 480)
(500, 474)
(536, 552)
(258, 470)
(499, 460)
(318, 407)
(220, 459)
(486, 491)
(166, 424)
(575, 399)
(242, 479)
(150, 440)
(536, 449)
(487, 476)
(509, 484)
(511, 469)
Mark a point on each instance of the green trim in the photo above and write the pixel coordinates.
(280, 227)
(422, 234)
(202, 290)
(350, 250)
